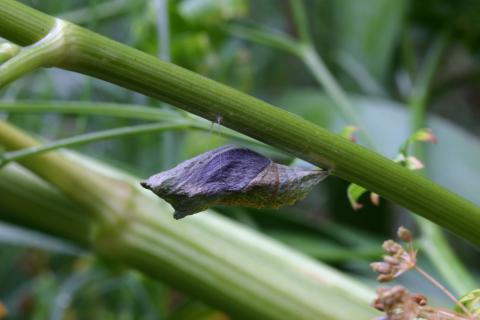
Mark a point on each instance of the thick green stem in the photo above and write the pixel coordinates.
(92, 54)
(43, 53)
(207, 256)
(440, 254)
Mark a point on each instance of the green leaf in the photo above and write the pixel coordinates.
(422, 135)
(471, 301)
(354, 192)
(347, 133)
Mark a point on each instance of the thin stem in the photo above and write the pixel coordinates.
(97, 136)
(408, 54)
(163, 29)
(271, 38)
(128, 111)
(433, 241)
(321, 73)
(421, 91)
(301, 21)
(359, 73)
(444, 290)
(307, 53)
(104, 10)
(89, 138)
(121, 111)
(168, 150)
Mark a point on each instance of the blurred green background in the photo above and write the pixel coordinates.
(374, 48)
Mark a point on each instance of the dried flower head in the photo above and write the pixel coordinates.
(404, 234)
(396, 262)
(396, 302)
(399, 304)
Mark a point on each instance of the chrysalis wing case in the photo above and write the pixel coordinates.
(230, 175)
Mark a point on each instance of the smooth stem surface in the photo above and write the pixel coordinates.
(92, 54)
(128, 111)
(103, 10)
(89, 138)
(321, 73)
(207, 256)
(301, 21)
(307, 53)
(121, 111)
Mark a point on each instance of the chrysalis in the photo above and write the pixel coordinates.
(230, 175)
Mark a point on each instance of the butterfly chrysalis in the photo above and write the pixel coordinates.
(231, 175)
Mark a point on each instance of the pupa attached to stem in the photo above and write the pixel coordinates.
(231, 175)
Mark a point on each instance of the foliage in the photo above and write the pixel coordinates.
(373, 65)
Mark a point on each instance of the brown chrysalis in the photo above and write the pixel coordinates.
(231, 175)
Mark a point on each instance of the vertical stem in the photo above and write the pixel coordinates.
(322, 74)
(433, 241)
(163, 29)
(300, 18)
(163, 41)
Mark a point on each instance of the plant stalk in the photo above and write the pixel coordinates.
(97, 56)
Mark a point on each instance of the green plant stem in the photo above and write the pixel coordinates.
(169, 156)
(92, 54)
(7, 51)
(321, 73)
(104, 10)
(439, 251)
(271, 38)
(208, 256)
(432, 240)
(27, 201)
(408, 54)
(92, 108)
(40, 54)
(89, 138)
(307, 53)
(444, 290)
(310, 57)
(301, 21)
(121, 111)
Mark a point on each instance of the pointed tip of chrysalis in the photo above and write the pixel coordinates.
(145, 184)
(177, 215)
